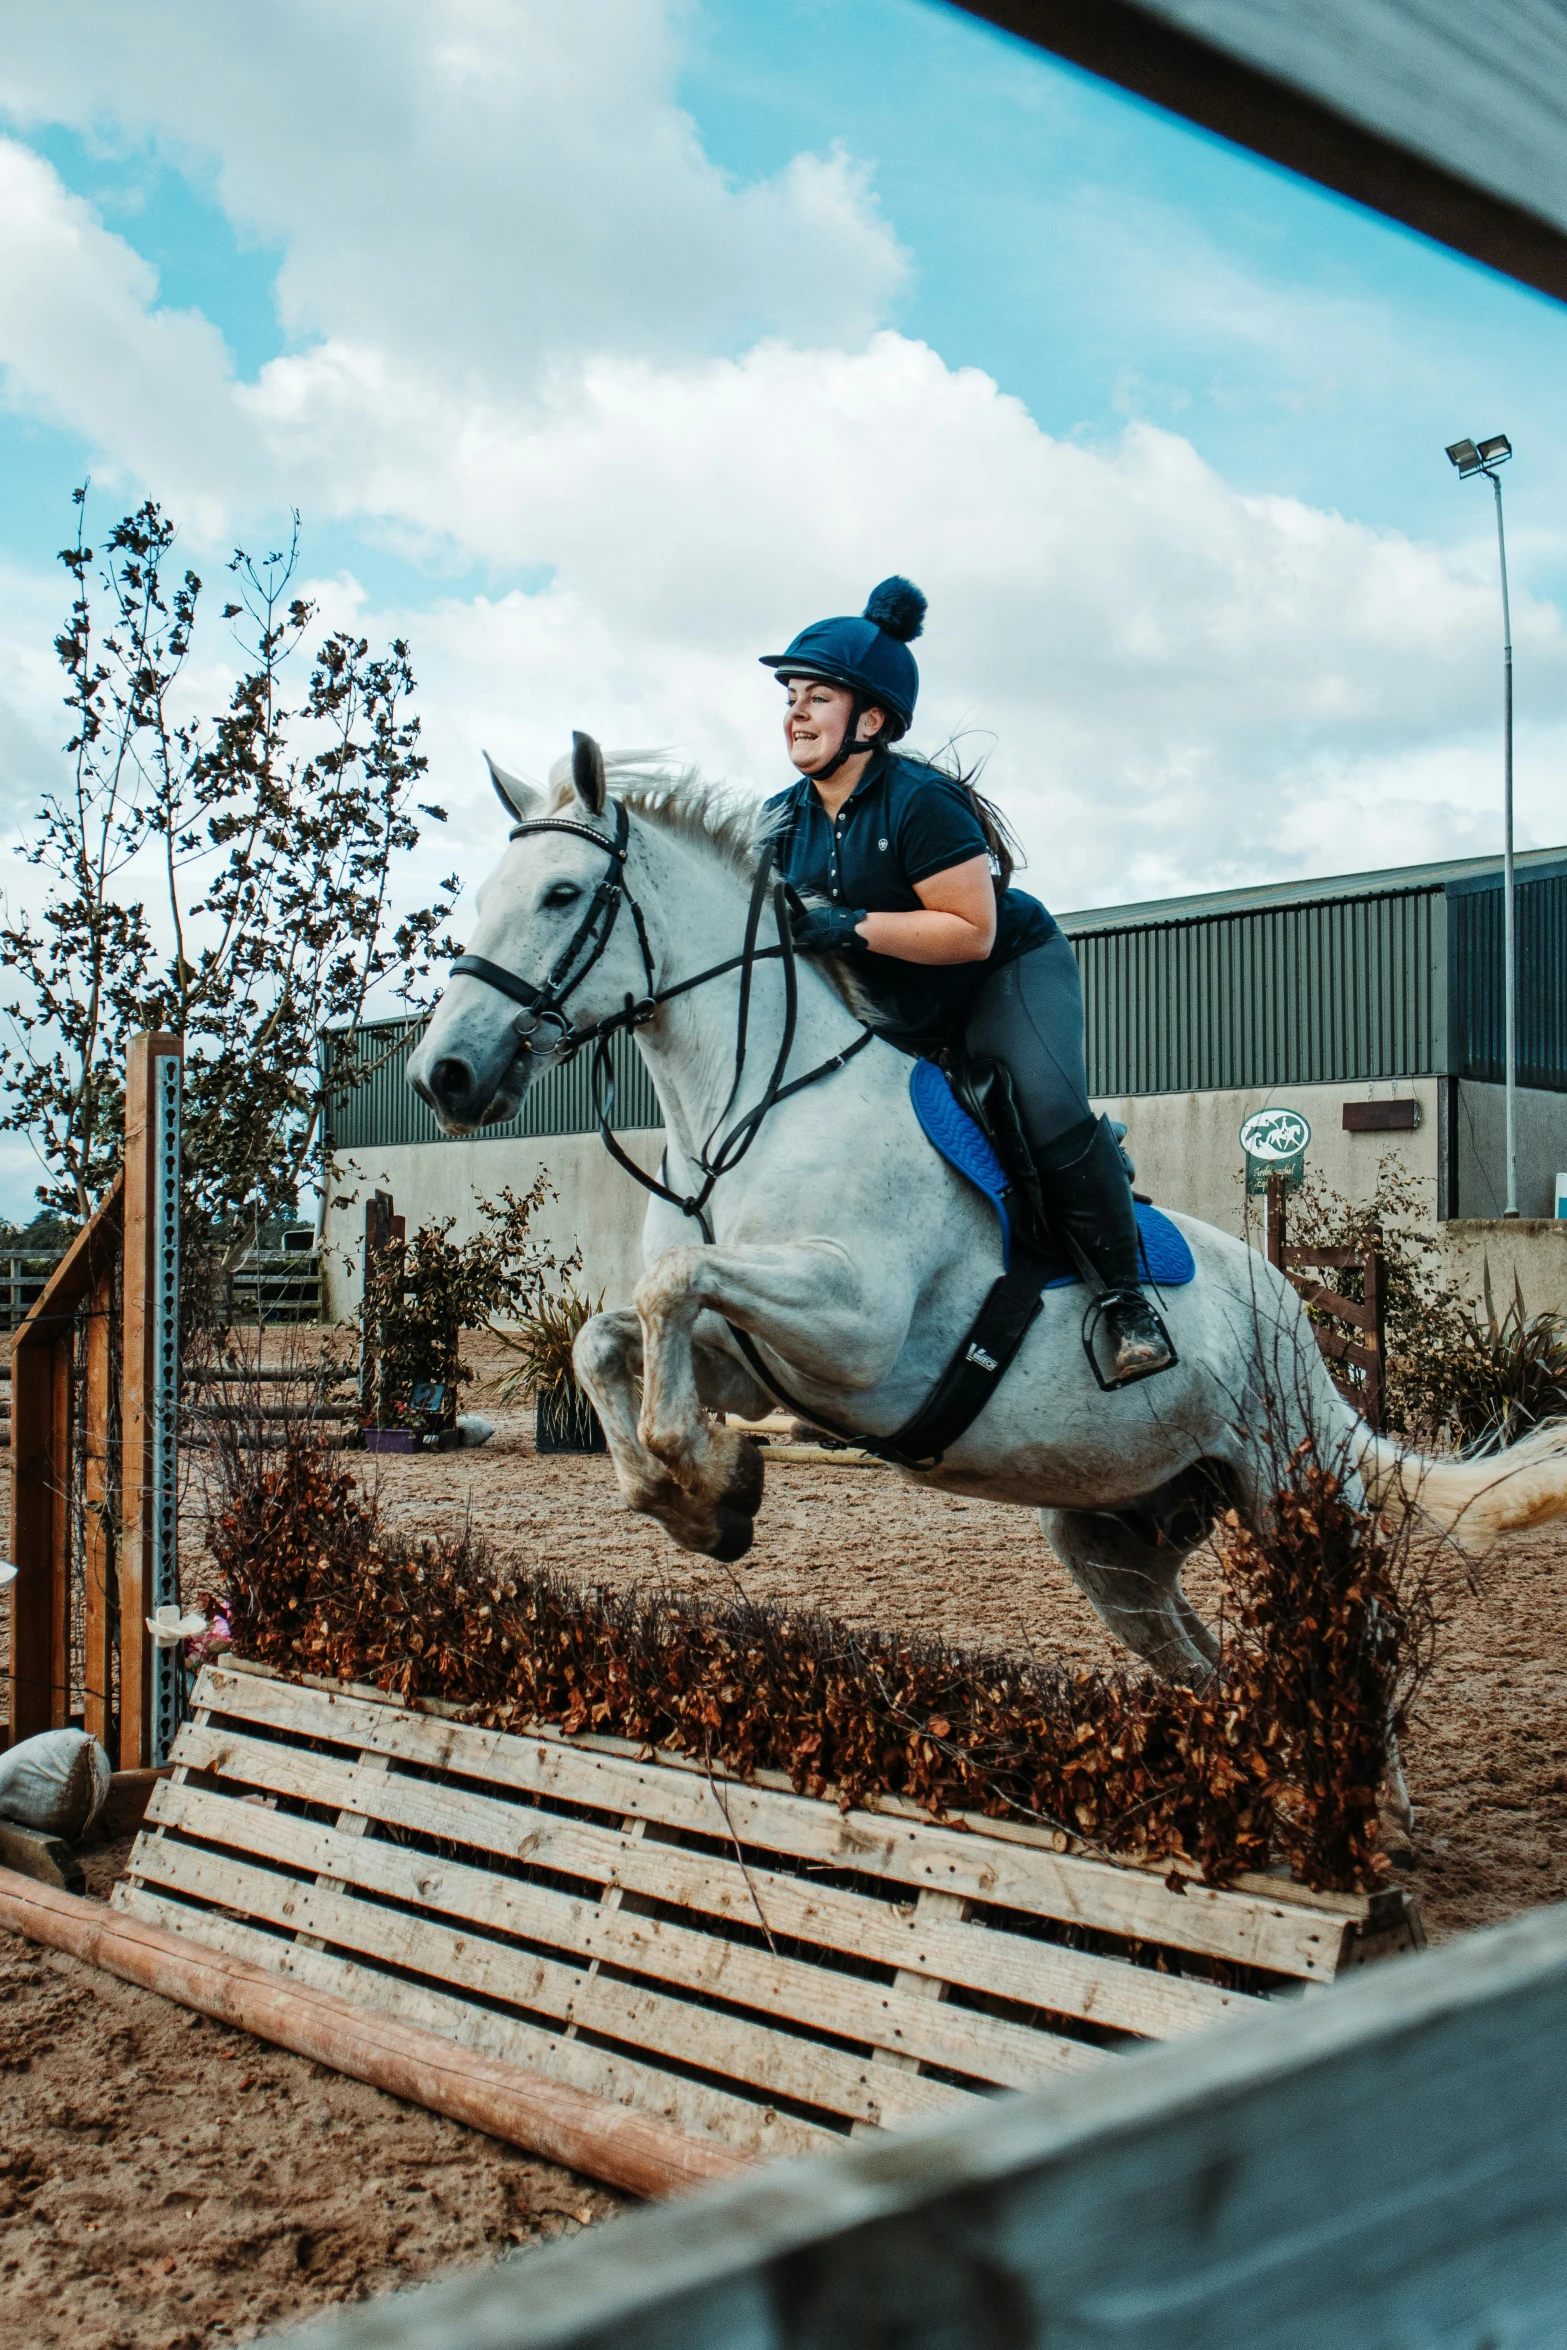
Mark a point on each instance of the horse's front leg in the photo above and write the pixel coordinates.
(608, 1358)
(803, 1298)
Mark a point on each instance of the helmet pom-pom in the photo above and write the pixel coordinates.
(898, 607)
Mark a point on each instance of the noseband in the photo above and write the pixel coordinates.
(589, 941)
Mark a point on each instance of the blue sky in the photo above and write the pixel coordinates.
(1101, 260)
(1104, 260)
(601, 348)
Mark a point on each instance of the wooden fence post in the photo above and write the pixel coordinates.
(1374, 1338)
(145, 1437)
(1275, 1241)
(41, 1440)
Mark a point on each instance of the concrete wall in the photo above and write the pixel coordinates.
(1533, 1248)
(1188, 1154)
(599, 1209)
(1186, 1147)
(1482, 1153)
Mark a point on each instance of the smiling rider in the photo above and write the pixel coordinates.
(910, 870)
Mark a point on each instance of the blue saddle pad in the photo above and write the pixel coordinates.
(1167, 1260)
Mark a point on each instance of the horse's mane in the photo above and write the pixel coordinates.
(677, 799)
(713, 816)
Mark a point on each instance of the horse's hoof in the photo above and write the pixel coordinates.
(742, 1496)
(735, 1536)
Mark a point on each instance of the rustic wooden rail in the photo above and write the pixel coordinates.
(1380, 2166)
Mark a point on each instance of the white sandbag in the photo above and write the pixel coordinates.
(57, 1783)
(474, 1428)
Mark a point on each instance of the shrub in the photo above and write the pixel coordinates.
(1327, 1635)
(544, 1338)
(420, 1295)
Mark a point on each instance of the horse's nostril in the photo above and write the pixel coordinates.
(451, 1082)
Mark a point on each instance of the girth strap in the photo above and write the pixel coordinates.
(966, 1385)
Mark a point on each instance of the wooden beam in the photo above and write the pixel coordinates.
(632, 2150)
(1380, 2164)
(1450, 118)
(98, 1464)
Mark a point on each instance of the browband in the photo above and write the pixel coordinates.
(611, 848)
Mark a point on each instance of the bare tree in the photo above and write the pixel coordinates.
(228, 878)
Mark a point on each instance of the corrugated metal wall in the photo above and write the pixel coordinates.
(1331, 991)
(384, 1109)
(1479, 1011)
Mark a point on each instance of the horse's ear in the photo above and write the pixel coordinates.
(519, 799)
(587, 773)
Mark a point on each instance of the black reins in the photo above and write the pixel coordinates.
(1003, 1320)
(720, 1153)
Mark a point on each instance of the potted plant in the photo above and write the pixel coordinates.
(563, 1418)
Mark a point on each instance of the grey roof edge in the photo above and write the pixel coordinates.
(1458, 873)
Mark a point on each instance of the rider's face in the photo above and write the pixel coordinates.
(815, 719)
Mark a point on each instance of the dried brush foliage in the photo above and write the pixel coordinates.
(1327, 1632)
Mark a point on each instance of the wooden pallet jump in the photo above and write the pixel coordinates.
(754, 1965)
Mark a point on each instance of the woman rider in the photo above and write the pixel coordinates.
(903, 858)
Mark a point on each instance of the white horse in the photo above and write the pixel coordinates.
(856, 1258)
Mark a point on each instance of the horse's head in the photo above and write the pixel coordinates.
(485, 1043)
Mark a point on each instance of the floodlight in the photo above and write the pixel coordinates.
(1497, 451)
(1465, 456)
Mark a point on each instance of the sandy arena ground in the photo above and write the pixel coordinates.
(165, 2183)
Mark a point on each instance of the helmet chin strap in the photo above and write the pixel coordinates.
(851, 746)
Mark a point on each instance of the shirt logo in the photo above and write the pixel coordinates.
(881, 844)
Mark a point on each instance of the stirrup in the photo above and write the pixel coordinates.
(1161, 1346)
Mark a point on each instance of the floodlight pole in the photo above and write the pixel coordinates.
(1487, 457)
(1509, 891)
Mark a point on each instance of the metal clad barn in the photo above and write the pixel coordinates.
(1372, 1003)
(381, 1110)
(1373, 976)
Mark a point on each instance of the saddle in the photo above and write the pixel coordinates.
(972, 1120)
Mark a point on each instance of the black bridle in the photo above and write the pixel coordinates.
(719, 1154)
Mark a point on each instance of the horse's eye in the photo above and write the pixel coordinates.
(563, 893)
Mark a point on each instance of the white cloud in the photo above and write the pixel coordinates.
(536, 325)
(486, 184)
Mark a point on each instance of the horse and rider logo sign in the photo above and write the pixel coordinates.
(1275, 1143)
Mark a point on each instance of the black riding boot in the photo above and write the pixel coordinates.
(1089, 1205)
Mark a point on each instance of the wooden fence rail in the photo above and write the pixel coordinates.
(1362, 1360)
(1380, 2164)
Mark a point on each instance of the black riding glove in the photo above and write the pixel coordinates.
(827, 930)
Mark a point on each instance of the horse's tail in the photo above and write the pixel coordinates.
(1473, 1501)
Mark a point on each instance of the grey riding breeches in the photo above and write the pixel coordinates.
(1029, 1016)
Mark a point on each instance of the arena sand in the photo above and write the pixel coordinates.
(167, 2183)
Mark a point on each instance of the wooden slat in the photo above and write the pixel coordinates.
(681, 2031)
(882, 2016)
(1328, 1301)
(1106, 1991)
(705, 2112)
(1379, 2167)
(1276, 1933)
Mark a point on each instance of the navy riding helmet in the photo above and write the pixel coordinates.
(870, 656)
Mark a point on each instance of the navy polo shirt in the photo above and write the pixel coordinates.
(902, 822)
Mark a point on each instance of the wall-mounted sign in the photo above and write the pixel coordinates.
(1275, 1135)
(1275, 1144)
